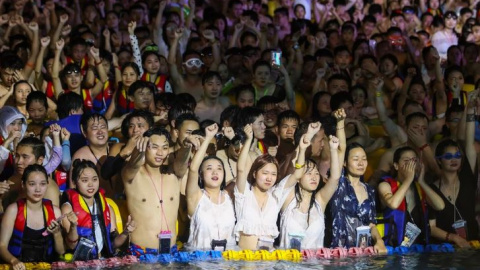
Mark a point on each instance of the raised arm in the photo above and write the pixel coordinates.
(304, 143)
(95, 53)
(242, 167)
(30, 65)
(433, 199)
(340, 115)
(137, 55)
(469, 116)
(137, 159)
(236, 34)
(217, 58)
(288, 87)
(58, 30)
(45, 41)
(326, 193)
(57, 83)
(191, 15)
(172, 61)
(193, 191)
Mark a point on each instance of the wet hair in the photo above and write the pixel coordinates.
(201, 183)
(258, 164)
(267, 100)
(452, 69)
(176, 111)
(188, 100)
(338, 99)
(399, 152)
(390, 57)
(316, 98)
(366, 57)
(79, 165)
(191, 52)
(145, 55)
(339, 77)
(358, 87)
(70, 68)
(31, 169)
(38, 96)
(288, 114)
(414, 115)
(310, 165)
(10, 61)
(148, 116)
(369, 19)
(248, 115)
(350, 147)
(139, 85)
(68, 102)
(210, 75)
(86, 117)
(340, 49)
(243, 88)
(261, 63)
(442, 146)
(408, 103)
(133, 65)
(158, 131)
(167, 99)
(229, 114)
(185, 117)
(38, 148)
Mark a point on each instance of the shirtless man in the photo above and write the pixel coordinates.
(152, 196)
(95, 129)
(211, 105)
(192, 82)
(29, 151)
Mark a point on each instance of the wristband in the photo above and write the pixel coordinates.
(421, 148)
(378, 94)
(470, 117)
(340, 128)
(71, 241)
(98, 63)
(299, 166)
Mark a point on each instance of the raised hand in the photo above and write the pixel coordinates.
(138, 155)
(178, 33)
(209, 35)
(33, 26)
(313, 129)
(60, 44)
(66, 30)
(193, 140)
(248, 131)
(131, 27)
(64, 18)
(305, 141)
(340, 115)
(45, 41)
(320, 73)
(55, 130)
(228, 132)
(65, 134)
(5, 186)
(211, 131)
(4, 19)
(333, 142)
(239, 27)
(378, 83)
(95, 52)
(106, 34)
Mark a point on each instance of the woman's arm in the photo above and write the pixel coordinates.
(446, 236)
(469, 118)
(29, 66)
(69, 223)
(56, 230)
(242, 167)
(45, 41)
(433, 199)
(326, 193)
(58, 30)
(393, 201)
(8, 223)
(193, 191)
(379, 245)
(137, 55)
(57, 83)
(340, 116)
(129, 228)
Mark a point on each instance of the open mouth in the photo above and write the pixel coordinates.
(215, 178)
(91, 190)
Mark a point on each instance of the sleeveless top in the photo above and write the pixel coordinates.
(251, 220)
(294, 221)
(212, 221)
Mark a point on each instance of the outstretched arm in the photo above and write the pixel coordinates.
(137, 159)
(242, 167)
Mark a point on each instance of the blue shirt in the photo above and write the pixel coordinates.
(347, 214)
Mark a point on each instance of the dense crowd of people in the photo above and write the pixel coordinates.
(131, 126)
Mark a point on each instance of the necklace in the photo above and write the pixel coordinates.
(230, 166)
(95, 156)
(159, 196)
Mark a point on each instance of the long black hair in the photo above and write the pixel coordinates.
(201, 182)
(310, 164)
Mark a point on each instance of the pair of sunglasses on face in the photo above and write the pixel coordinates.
(68, 72)
(449, 156)
(194, 62)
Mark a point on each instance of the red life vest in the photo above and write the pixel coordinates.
(15, 245)
(160, 81)
(85, 226)
(87, 99)
(50, 90)
(124, 105)
(103, 99)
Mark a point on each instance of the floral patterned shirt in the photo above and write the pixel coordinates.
(348, 214)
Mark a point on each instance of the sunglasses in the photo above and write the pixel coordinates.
(450, 16)
(449, 156)
(74, 71)
(194, 62)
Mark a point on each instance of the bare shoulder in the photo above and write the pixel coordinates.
(82, 153)
(115, 149)
(221, 154)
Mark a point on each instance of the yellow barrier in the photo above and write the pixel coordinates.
(263, 255)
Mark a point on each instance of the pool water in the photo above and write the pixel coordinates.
(467, 259)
